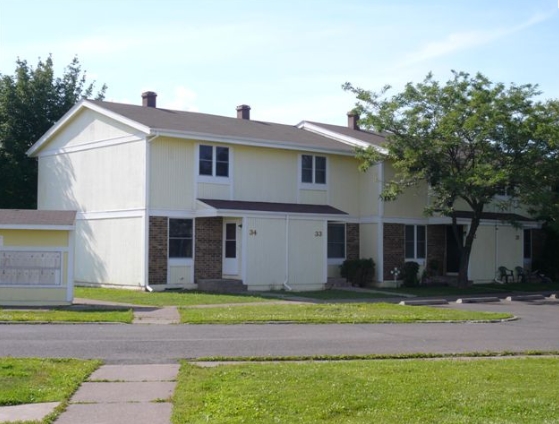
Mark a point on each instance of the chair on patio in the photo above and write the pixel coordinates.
(505, 273)
(521, 276)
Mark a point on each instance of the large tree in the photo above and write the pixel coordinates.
(31, 101)
(469, 139)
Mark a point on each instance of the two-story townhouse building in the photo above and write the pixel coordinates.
(168, 198)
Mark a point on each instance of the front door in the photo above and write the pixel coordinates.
(231, 246)
(452, 250)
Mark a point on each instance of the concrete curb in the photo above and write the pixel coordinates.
(424, 302)
(525, 298)
(478, 299)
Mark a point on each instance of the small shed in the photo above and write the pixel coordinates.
(36, 257)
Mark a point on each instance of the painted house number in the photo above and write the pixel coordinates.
(318, 233)
(252, 232)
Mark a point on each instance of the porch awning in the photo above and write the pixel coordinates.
(271, 207)
(495, 216)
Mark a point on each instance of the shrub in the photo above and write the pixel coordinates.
(359, 272)
(409, 274)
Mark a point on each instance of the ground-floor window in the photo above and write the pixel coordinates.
(415, 241)
(336, 240)
(180, 238)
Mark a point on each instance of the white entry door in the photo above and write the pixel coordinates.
(231, 246)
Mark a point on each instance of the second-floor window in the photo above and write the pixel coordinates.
(313, 169)
(415, 241)
(213, 161)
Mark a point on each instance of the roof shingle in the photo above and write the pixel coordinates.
(36, 217)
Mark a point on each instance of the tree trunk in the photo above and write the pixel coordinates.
(466, 248)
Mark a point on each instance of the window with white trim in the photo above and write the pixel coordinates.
(213, 161)
(336, 240)
(415, 241)
(313, 169)
(180, 238)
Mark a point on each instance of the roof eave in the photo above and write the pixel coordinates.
(285, 145)
(340, 137)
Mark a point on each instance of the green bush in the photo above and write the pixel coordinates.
(409, 274)
(359, 272)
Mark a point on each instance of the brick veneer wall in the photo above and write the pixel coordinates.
(158, 228)
(208, 247)
(394, 245)
(352, 241)
(436, 246)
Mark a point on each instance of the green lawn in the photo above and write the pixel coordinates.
(335, 294)
(481, 289)
(30, 380)
(330, 313)
(519, 390)
(61, 315)
(171, 298)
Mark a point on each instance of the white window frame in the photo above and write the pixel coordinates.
(313, 185)
(215, 179)
(415, 244)
(175, 259)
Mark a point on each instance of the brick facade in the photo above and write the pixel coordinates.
(394, 245)
(436, 247)
(158, 228)
(352, 241)
(208, 247)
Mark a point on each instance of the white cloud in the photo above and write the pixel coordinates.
(183, 99)
(465, 40)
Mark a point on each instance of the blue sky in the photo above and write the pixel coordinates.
(286, 59)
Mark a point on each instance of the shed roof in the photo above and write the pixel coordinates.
(272, 207)
(34, 218)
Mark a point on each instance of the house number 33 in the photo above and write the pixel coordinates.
(318, 233)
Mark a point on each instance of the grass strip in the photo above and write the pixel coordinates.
(57, 315)
(37, 380)
(171, 298)
(379, 356)
(334, 294)
(332, 313)
(511, 390)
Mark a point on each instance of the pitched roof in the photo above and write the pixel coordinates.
(370, 137)
(158, 119)
(272, 207)
(33, 218)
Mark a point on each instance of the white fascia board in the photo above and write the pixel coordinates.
(284, 145)
(235, 213)
(75, 110)
(339, 137)
(37, 227)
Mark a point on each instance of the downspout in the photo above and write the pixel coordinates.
(285, 285)
(147, 287)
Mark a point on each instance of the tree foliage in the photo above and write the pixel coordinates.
(469, 139)
(31, 101)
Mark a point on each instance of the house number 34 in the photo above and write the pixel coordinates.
(318, 233)
(252, 232)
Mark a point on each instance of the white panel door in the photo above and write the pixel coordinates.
(231, 246)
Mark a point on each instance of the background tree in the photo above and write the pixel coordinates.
(469, 139)
(31, 101)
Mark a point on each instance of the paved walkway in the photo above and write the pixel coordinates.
(124, 394)
(119, 394)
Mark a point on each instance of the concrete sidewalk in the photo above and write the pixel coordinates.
(124, 394)
(119, 394)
